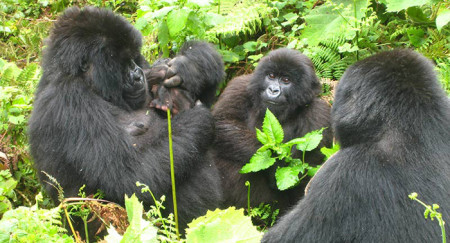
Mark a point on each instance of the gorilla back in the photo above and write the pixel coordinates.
(392, 119)
(91, 88)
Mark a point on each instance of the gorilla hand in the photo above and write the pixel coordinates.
(172, 77)
(175, 99)
(157, 73)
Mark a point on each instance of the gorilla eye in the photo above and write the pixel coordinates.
(271, 76)
(285, 80)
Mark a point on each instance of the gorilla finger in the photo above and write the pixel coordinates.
(171, 71)
(173, 82)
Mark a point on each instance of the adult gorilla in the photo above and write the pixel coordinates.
(91, 92)
(284, 81)
(392, 119)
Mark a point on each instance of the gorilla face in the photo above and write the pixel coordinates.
(276, 89)
(284, 81)
(134, 85)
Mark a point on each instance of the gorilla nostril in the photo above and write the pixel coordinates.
(273, 91)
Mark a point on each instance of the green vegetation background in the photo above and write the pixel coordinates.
(334, 34)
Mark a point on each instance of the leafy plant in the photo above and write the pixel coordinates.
(274, 150)
(431, 211)
(32, 224)
(229, 225)
(265, 214)
(7, 185)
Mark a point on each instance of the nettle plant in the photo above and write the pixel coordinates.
(274, 150)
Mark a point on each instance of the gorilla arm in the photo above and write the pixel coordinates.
(231, 112)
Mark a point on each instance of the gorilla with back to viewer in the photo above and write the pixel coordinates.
(392, 119)
(285, 82)
(91, 90)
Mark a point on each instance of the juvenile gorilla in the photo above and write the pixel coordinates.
(284, 81)
(81, 130)
(392, 119)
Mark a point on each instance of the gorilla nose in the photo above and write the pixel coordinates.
(137, 75)
(273, 91)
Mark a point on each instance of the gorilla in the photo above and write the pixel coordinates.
(392, 119)
(187, 77)
(285, 82)
(92, 123)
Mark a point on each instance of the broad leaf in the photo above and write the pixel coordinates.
(398, 5)
(229, 225)
(313, 170)
(327, 20)
(287, 177)
(176, 20)
(259, 161)
(139, 230)
(272, 127)
(312, 140)
(163, 38)
(416, 37)
(328, 152)
(262, 137)
(443, 19)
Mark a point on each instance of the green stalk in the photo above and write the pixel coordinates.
(247, 183)
(172, 174)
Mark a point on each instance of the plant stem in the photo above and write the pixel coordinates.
(172, 174)
(71, 226)
(247, 183)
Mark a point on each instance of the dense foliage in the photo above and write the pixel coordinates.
(334, 34)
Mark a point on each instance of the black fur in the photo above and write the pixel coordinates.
(240, 109)
(85, 105)
(202, 71)
(392, 119)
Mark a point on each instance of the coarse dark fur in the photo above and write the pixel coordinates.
(194, 73)
(392, 119)
(84, 106)
(203, 71)
(241, 108)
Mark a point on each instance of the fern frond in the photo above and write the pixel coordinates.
(244, 18)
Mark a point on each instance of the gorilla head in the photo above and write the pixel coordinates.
(406, 82)
(283, 81)
(103, 50)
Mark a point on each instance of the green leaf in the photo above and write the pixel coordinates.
(416, 14)
(229, 225)
(163, 38)
(326, 20)
(229, 56)
(313, 170)
(311, 140)
(272, 127)
(328, 152)
(139, 230)
(250, 46)
(398, 5)
(259, 161)
(442, 19)
(416, 36)
(262, 137)
(16, 120)
(176, 20)
(287, 177)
